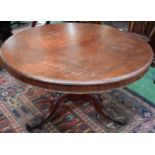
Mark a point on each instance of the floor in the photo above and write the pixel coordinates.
(145, 86)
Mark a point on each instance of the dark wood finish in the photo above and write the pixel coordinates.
(144, 28)
(1, 64)
(76, 58)
(152, 43)
(34, 23)
(92, 98)
(5, 33)
(5, 30)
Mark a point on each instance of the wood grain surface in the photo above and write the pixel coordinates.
(76, 57)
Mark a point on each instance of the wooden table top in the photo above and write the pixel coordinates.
(77, 58)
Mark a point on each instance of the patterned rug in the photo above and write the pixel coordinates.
(21, 103)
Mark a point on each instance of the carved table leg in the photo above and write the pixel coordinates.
(92, 98)
(97, 105)
(53, 110)
(95, 100)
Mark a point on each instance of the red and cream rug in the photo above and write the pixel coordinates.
(21, 103)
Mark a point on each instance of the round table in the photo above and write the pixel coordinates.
(79, 60)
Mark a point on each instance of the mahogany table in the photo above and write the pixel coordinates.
(79, 60)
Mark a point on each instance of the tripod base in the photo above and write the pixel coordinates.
(92, 98)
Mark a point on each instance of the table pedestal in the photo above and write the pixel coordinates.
(95, 99)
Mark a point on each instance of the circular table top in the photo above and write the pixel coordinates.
(76, 58)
